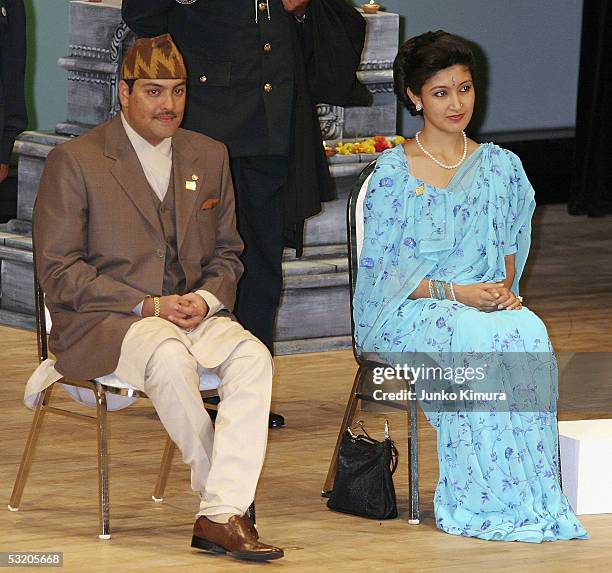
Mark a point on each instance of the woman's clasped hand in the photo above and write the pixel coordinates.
(487, 297)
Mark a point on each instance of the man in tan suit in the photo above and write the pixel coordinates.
(138, 254)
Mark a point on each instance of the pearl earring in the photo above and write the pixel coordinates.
(418, 107)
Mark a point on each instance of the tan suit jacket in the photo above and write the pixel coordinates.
(99, 244)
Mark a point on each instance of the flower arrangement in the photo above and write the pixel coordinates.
(375, 144)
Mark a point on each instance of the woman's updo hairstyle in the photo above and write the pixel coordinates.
(421, 57)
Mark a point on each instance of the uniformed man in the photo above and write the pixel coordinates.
(13, 115)
(247, 88)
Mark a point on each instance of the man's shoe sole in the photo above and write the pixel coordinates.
(205, 545)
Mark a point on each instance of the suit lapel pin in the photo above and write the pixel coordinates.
(193, 184)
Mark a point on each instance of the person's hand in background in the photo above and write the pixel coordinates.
(296, 7)
(3, 171)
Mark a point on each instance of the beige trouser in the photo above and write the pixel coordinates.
(225, 462)
(162, 359)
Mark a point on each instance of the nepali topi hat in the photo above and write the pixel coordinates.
(154, 59)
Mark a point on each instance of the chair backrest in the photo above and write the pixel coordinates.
(354, 221)
(355, 230)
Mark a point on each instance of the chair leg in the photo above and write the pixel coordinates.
(103, 488)
(30, 448)
(347, 420)
(413, 463)
(164, 471)
(559, 475)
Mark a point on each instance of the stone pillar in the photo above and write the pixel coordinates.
(98, 39)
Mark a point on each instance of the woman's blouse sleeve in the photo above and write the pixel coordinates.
(521, 202)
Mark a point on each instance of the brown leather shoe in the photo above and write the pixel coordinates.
(237, 537)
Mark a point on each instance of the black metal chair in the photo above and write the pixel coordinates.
(366, 366)
(100, 391)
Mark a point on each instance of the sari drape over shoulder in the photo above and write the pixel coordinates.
(498, 477)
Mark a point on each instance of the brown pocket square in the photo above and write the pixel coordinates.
(209, 204)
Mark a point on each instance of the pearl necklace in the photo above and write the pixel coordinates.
(465, 146)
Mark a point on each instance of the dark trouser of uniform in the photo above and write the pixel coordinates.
(259, 183)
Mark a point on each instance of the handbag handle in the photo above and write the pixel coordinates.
(359, 423)
(394, 456)
(394, 453)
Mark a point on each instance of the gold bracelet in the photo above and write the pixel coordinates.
(156, 306)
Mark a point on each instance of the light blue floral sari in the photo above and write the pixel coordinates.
(498, 469)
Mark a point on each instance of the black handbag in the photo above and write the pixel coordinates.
(364, 478)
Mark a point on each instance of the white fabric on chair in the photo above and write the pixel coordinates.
(46, 371)
(359, 215)
(46, 374)
(47, 320)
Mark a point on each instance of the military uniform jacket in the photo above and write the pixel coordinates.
(249, 81)
(240, 65)
(13, 116)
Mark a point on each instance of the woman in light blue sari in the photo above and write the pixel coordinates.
(447, 234)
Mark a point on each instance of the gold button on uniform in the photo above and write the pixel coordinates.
(203, 79)
(263, 6)
(267, 47)
(267, 88)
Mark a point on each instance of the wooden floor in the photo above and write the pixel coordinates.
(568, 285)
